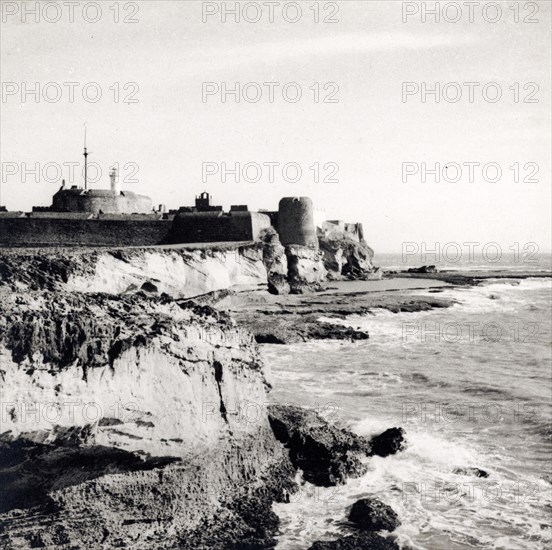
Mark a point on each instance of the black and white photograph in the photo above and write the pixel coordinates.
(276, 275)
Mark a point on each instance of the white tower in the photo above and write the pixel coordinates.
(114, 181)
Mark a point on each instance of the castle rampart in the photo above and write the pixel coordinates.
(199, 227)
(44, 231)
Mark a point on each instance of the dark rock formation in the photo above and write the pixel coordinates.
(326, 454)
(360, 541)
(471, 278)
(329, 331)
(289, 330)
(370, 514)
(388, 442)
(148, 286)
(41, 271)
(30, 470)
(246, 519)
(278, 284)
(470, 472)
(290, 319)
(423, 269)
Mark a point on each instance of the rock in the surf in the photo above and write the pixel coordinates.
(370, 514)
(326, 454)
(423, 269)
(388, 442)
(360, 541)
(477, 472)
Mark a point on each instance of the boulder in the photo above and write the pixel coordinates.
(470, 472)
(278, 284)
(305, 268)
(326, 454)
(423, 269)
(291, 329)
(148, 286)
(370, 514)
(360, 541)
(388, 442)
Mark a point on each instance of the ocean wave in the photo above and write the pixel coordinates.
(438, 508)
(500, 384)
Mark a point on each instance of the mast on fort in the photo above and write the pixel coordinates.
(85, 162)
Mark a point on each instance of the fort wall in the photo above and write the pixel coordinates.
(45, 231)
(78, 229)
(203, 227)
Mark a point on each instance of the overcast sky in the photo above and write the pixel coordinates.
(368, 132)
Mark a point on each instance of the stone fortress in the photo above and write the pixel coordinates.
(80, 216)
(100, 201)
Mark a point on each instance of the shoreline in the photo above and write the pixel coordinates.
(66, 343)
(292, 318)
(472, 277)
(427, 390)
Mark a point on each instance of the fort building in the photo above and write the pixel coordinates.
(79, 216)
(209, 223)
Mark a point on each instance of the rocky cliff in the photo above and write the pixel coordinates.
(132, 422)
(346, 257)
(177, 271)
(182, 272)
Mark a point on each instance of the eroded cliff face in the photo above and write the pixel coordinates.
(275, 261)
(344, 256)
(178, 272)
(181, 272)
(131, 422)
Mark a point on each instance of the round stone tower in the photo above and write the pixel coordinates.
(296, 222)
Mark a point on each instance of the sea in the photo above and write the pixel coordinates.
(472, 387)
